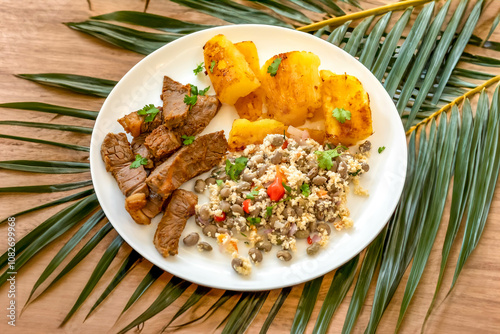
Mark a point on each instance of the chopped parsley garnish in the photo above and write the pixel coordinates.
(325, 158)
(355, 173)
(234, 170)
(305, 190)
(269, 210)
(199, 68)
(190, 100)
(253, 220)
(203, 91)
(381, 149)
(150, 111)
(212, 65)
(219, 182)
(139, 161)
(243, 234)
(187, 139)
(284, 134)
(287, 188)
(341, 114)
(252, 194)
(273, 68)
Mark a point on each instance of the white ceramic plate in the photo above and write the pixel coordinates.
(142, 85)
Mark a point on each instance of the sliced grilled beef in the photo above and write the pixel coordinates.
(134, 124)
(200, 115)
(130, 180)
(138, 147)
(162, 142)
(175, 110)
(180, 207)
(191, 160)
(115, 150)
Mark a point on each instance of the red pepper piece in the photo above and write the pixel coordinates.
(220, 218)
(246, 205)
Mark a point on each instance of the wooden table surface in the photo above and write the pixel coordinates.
(34, 40)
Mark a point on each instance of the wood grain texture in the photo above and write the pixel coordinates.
(34, 40)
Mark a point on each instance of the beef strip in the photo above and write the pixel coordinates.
(191, 160)
(175, 110)
(115, 150)
(162, 142)
(138, 147)
(118, 156)
(179, 209)
(134, 124)
(200, 115)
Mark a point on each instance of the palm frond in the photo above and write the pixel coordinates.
(485, 179)
(244, 312)
(173, 290)
(47, 142)
(153, 21)
(275, 309)
(46, 188)
(363, 14)
(306, 305)
(51, 108)
(63, 200)
(47, 232)
(232, 12)
(60, 127)
(75, 83)
(494, 25)
(446, 141)
(46, 167)
(373, 41)
(356, 36)
(151, 277)
(99, 270)
(127, 38)
(320, 6)
(82, 253)
(195, 297)
(371, 261)
(66, 249)
(341, 283)
(128, 264)
(284, 10)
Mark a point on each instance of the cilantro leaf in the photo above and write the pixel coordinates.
(190, 100)
(243, 234)
(203, 91)
(305, 189)
(187, 139)
(194, 89)
(341, 114)
(252, 194)
(381, 149)
(355, 173)
(234, 170)
(138, 162)
(325, 158)
(253, 220)
(149, 111)
(287, 188)
(199, 68)
(212, 65)
(273, 68)
(219, 182)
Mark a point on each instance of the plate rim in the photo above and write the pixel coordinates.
(320, 272)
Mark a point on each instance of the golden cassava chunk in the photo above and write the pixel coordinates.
(228, 70)
(250, 106)
(345, 92)
(244, 132)
(292, 87)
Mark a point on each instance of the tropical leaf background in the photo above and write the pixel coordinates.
(435, 262)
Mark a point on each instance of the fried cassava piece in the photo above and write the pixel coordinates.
(228, 70)
(291, 84)
(244, 132)
(352, 121)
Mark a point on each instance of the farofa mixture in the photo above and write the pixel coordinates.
(278, 192)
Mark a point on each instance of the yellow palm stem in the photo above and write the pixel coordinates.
(454, 102)
(365, 13)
